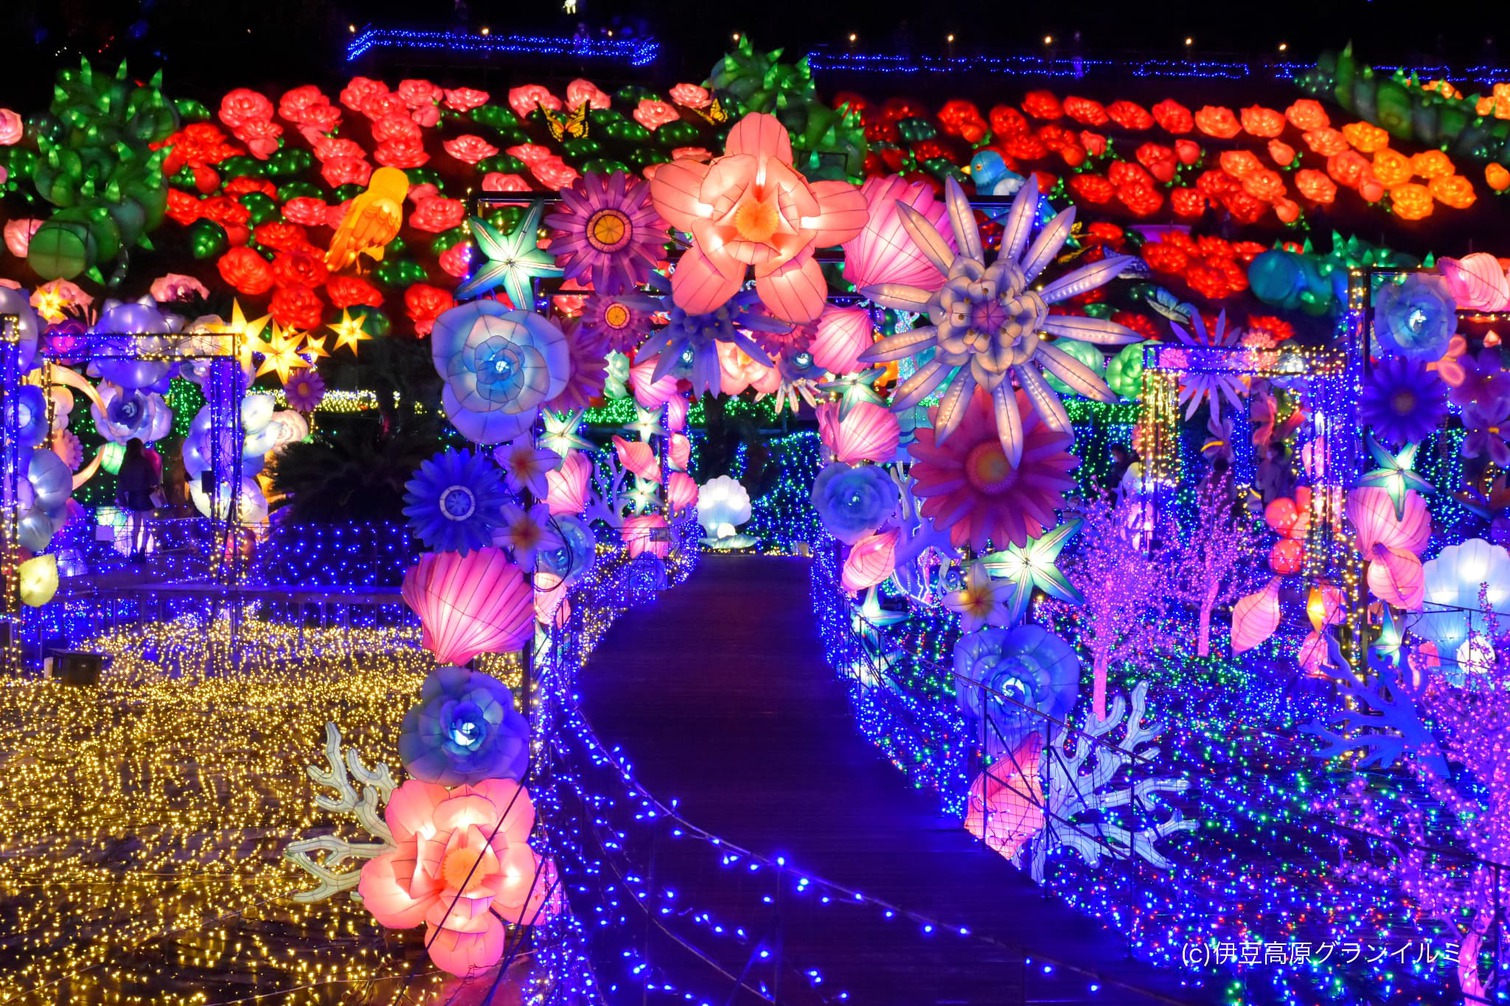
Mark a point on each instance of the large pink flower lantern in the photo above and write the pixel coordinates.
(462, 867)
(469, 604)
(752, 208)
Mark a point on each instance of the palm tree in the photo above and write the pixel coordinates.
(354, 466)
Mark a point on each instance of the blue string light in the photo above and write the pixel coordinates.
(631, 52)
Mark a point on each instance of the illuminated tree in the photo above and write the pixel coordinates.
(1215, 562)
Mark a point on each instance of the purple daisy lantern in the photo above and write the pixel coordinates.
(304, 389)
(1403, 401)
(606, 230)
(622, 320)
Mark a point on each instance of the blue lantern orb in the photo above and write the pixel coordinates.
(500, 366)
(465, 729)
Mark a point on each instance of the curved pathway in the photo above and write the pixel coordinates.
(720, 696)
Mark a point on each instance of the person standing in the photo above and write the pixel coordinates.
(135, 484)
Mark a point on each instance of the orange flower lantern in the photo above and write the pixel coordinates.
(1316, 186)
(1431, 164)
(1217, 121)
(1264, 123)
(1188, 151)
(1453, 191)
(1085, 111)
(1325, 141)
(1365, 137)
(1240, 163)
(1265, 184)
(1307, 114)
(1282, 152)
(1347, 168)
(1392, 168)
(1498, 177)
(1411, 201)
(1288, 210)
(1173, 117)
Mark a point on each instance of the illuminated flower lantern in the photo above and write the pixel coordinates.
(854, 501)
(15, 304)
(464, 729)
(1391, 544)
(577, 553)
(1197, 386)
(1005, 806)
(606, 232)
(751, 208)
(872, 559)
(646, 534)
(1087, 354)
(687, 347)
(1025, 680)
(31, 415)
(500, 366)
(468, 604)
(131, 414)
(987, 324)
(882, 252)
(1451, 616)
(722, 505)
(868, 432)
(462, 867)
(970, 486)
(1124, 373)
(1403, 401)
(454, 501)
(37, 580)
(1415, 317)
(1477, 282)
(43, 498)
(117, 363)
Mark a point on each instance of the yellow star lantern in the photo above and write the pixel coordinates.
(348, 332)
(249, 331)
(280, 353)
(314, 349)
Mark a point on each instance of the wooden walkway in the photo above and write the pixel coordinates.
(720, 696)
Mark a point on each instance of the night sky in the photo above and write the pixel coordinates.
(202, 42)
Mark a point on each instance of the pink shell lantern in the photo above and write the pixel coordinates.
(1255, 617)
(676, 413)
(568, 485)
(883, 251)
(649, 392)
(646, 533)
(1391, 545)
(869, 433)
(469, 604)
(871, 560)
(1477, 281)
(681, 492)
(843, 334)
(679, 451)
(638, 457)
(1006, 801)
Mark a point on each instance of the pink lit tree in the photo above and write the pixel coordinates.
(1465, 888)
(1215, 562)
(1126, 571)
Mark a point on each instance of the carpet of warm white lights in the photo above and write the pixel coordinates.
(142, 821)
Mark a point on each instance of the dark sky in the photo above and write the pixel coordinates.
(206, 41)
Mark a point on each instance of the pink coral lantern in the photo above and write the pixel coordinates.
(1392, 545)
(646, 533)
(681, 492)
(883, 252)
(869, 432)
(871, 561)
(568, 485)
(462, 867)
(843, 333)
(752, 208)
(638, 457)
(469, 604)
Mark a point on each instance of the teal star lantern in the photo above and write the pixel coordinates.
(647, 423)
(514, 261)
(853, 389)
(561, 432)
(1035, 566)
(1395, 474)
